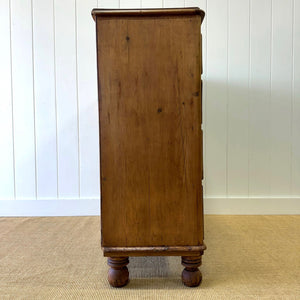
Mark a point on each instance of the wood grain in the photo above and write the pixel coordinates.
(150, 134)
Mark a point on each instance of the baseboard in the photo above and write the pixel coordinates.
(49, 207)
(252, 205)
(91, 207)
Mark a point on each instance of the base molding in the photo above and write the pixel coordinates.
(252, 205)
(91, 206)
(154, 251)
(49, 207)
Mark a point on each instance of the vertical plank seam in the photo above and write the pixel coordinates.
(270, 97)
(292, 100)
(55, 101)
(77, 98)
(12, 102)
(248, 95)
(227, 102)
(33, 100)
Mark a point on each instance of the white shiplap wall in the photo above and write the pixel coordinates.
(49, 162)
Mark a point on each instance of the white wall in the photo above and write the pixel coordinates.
(49, 162)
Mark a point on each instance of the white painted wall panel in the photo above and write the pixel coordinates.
(108, 3)
(87, 100)
(296, 102)
(23, 99)
(260, 97)
(44, 95)
(6, 121)
(173, 3)
(130, 3)
(217, 98)
(251, 104)
(152, 3)
(66, 98)
(238, 98)
(281, 97)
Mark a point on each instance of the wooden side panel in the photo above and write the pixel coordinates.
(151, 142)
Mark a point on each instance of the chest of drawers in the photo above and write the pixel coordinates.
(150, 114)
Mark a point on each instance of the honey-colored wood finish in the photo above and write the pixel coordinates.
(149, 79)
(154, 251)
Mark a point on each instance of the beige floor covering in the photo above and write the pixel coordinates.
(248, 257)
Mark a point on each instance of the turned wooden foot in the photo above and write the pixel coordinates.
(118, 274)
(191, 276)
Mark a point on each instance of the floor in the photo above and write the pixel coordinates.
(247, 257)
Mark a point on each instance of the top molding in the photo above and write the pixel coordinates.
(147, 12)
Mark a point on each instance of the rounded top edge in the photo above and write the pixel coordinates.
(96, 12)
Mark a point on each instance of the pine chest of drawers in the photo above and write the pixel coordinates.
(149, 85)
